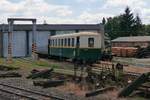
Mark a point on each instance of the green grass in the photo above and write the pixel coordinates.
(41, 63)
(29, 64)
(55, 66)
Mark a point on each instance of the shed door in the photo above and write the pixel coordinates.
(5, 44)
(18, 44)
(41, 41)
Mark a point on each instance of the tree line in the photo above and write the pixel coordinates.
(125, 24)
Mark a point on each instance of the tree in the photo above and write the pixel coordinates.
(103, 21)
(147, 29)
(138, 27)
(112, 27)
(127, 23)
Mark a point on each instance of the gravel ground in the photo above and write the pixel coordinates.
(28, 84)
(133, 61)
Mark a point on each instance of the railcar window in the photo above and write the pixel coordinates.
(65, 42)
(90, 42)
(58, 42)
(62, 42)
(55, 42)
(72, 44)
(78, 42)
(49, 42)
(68, 41)
(52, 43)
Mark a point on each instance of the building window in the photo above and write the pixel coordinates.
(68, 41)
(65, 44)
(72, 44)
(90, 42)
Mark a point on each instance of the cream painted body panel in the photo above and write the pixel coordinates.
(83, 38)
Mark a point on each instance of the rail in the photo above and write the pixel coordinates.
(34, 95)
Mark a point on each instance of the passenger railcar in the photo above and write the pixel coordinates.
(83, 46)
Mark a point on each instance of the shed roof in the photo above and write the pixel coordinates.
(48, 27)
(132, 39)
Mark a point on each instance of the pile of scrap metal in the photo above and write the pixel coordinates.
(103, 74)
(143, 52)
(48, 83)
(40, 73)
(100, 91)
(138, 84)
(46, 74)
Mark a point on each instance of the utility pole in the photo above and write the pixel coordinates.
(34, 55)
(10, 32)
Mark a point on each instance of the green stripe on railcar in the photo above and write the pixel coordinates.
(62, 52)
(89, 54)
(80, 54)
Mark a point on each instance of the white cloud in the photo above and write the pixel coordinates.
(125, 2)
(32, 8)
(96, 17)
(137, 6)
(64, 11)
(81, 1)
(56, 13)
(85, 17)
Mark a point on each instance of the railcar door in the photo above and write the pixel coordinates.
(77, 47)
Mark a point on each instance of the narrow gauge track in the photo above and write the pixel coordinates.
(98, 68)
(25, 93)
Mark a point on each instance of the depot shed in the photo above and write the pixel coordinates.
(132, 41)
(22, 36)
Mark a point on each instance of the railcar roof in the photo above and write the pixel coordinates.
(77, 34)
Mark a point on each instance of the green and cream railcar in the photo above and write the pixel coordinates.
(84, 46)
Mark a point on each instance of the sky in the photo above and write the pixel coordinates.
(71, 11)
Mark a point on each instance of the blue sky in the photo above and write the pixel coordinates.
(72, 11)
